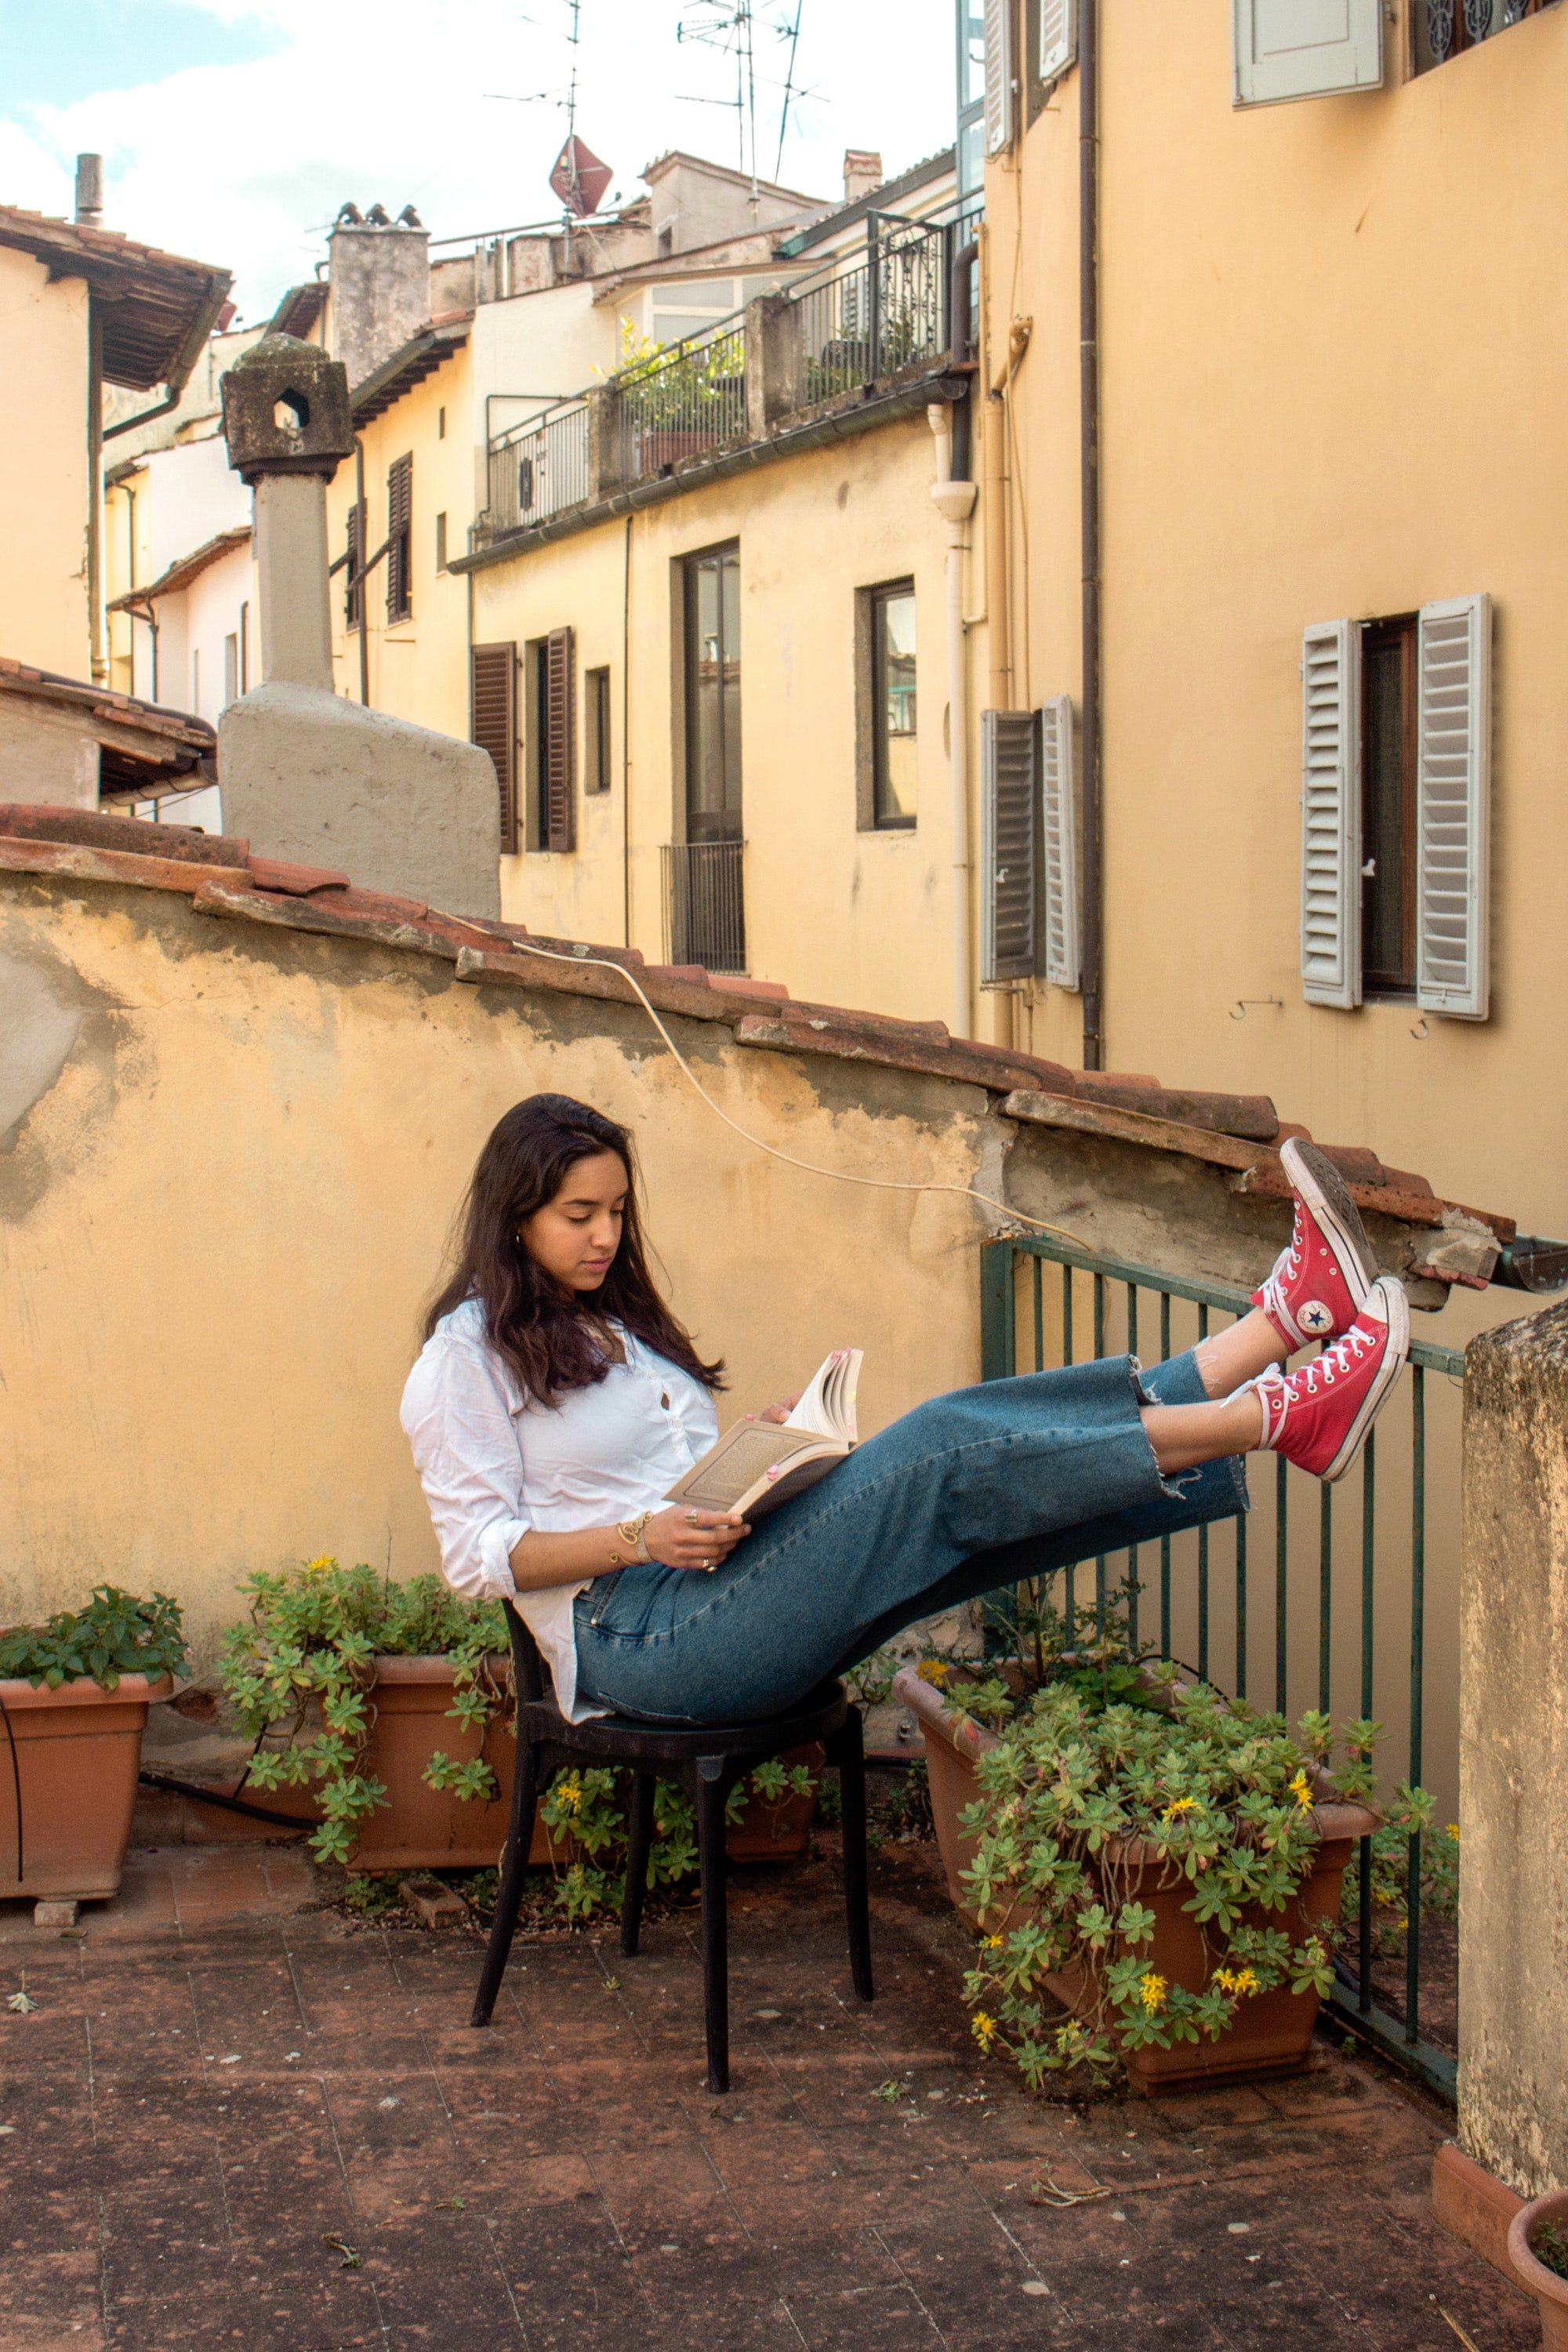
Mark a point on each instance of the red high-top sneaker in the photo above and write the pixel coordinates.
(1318, 1415)
(1322, 1281)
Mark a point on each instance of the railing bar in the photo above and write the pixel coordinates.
(1202, 1540)
(1132, 1581)
(1424, 1354)
(1099, 1315)
(1281, 1586)
(1164, 1297)
(1417, 1678)
(1036, 1274)
(1325, 1598)
(1240, 1605)
(1368, 1562)
(1067, 1315)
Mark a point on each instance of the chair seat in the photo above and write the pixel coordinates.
(622, 1738)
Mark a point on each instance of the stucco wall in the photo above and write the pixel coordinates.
(1513, 1947)
(1328, 377)
(851, 917)
(43, 466)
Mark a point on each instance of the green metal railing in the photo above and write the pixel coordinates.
(1095, 1306)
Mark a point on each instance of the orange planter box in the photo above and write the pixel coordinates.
(68, 1783)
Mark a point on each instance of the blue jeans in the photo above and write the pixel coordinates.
(969, 1492)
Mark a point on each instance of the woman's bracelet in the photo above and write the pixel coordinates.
(633, 1532)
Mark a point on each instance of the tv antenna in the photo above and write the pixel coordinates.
(577, 175)
(728, 26)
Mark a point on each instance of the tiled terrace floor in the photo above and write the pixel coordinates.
(233, 2122)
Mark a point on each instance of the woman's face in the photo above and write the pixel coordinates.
(575, 1236)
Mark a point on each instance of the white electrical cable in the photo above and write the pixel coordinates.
(837, 1175)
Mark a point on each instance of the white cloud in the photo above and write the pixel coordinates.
(245, 165)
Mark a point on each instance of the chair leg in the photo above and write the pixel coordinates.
(848, 1752)
(509, 1894)
(639, 1844)
(710, 1794)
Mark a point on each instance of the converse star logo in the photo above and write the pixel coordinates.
(1314, 1317)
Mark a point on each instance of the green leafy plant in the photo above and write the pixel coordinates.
(1549, 2246)
(1091, 1800)
(115, 1635)
(300, 1675)
(587, 1810)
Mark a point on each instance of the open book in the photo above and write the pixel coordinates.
(758, 1464)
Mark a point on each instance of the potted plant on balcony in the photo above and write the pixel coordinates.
(74, 1695)
(383, 1711)
(1538, 2249)
(1162, 1863)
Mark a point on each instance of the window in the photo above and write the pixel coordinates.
(1441, 29)
(712, 602)
(596, 721)
(1395, 809)
(440, 425)
(970, 30)
(492, 725)
(440, 543)
(889, 644)
(230, 670)
(353, 592)
(1388, 807)
(549, 739)
(1304, 49)
(399, 540)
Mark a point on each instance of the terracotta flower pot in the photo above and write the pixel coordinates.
(1551, 2292)
(421, 1828)
(1272, 2031)
(68, 1763)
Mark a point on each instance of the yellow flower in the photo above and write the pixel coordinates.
(934, 1670)
(1153, 1990)
(1177, 1806)
(1301, 1789)
(322, 1565)
(992, 1943)
(1236, 1982)
(983, 2028)
(571, 1794)
(1453, 1830)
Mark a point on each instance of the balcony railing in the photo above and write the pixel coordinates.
(877, 311)
(1349, 1613)
(538, 468)
(684, 401)
(704, 906)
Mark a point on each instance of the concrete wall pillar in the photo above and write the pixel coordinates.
(774, 385)
(293, 606)
(1513, 1755)
(605, 466)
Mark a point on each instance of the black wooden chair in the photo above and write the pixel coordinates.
(706, 1763)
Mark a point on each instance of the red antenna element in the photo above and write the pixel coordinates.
(579, 178)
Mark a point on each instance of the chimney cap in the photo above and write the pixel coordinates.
(90, 191)
(286, 410)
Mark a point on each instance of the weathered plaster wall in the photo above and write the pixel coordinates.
(43, 466)
(1513, 1946)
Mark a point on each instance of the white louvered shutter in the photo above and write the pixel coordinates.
(1331, 813)
(998, 75)
(1305, 49)
(1058, 828)
(1453, 814)
(1058, 38)
(1010, 844)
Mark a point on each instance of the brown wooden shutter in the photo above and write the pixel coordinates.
(560, 766)
(353, 593)
(399, 531)
(493, 693)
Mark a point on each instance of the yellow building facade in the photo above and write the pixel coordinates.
(1329, 345)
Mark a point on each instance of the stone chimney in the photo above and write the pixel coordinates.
(379, 272)
(862, 173)
(90, 191)
(307, 776)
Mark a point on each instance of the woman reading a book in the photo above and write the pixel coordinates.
(557, 1401)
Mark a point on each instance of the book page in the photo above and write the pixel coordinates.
(740, 1459)
(828, 1405)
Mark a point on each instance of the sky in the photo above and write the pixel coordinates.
(232, 132)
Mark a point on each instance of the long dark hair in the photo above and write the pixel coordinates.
(547, 1338)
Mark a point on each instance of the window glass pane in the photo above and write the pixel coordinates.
(713, 697)
(893, 656)
(1388, 787)
(731, 573)
(970, 54)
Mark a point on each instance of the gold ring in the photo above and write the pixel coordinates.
(691, 1519)
(708, 1564)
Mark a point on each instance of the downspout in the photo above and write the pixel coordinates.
(100, 665)
(131, 574)
(627, 738)
(361, 516)
(954, 502)
(1088, 495)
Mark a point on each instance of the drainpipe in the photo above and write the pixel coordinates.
(1088, 495)
(954, 502)
(627, 736)
(99, 665)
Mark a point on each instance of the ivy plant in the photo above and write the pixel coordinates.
(300, 1675)
(1114, 1779)
(115, 1635)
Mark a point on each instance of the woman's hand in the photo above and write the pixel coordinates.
(777, 1413)
(679, 1537)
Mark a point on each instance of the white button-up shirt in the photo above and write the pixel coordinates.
(495, 1462)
